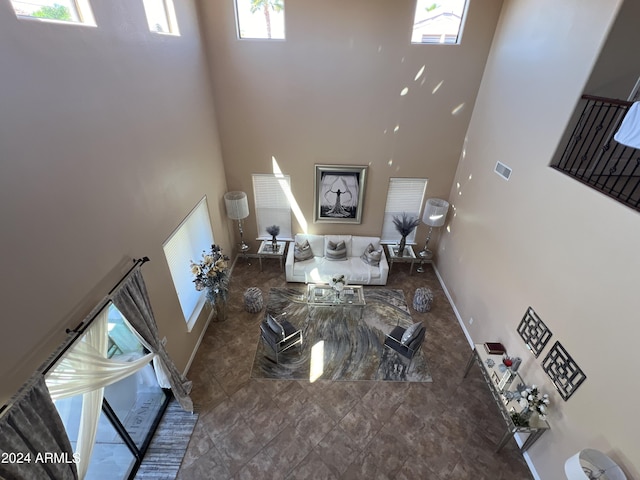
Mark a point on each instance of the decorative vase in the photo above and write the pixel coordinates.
(274, 243)
(403, 243)
(220, 307)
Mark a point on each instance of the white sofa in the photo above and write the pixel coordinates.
(320, 270)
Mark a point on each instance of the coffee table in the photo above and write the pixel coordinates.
(323, 295)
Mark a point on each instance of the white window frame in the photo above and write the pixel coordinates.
(245, 16)
(272, 204)
(169, 14)
(80, 10)
(186, 244)
(436, 28)
(404, 195)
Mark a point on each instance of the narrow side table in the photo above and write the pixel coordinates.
(266, 251)
(408, 257)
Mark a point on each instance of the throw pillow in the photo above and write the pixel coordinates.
(371, 256)
(275, 325)
(336, 251)
(410, 333)
(302, 251)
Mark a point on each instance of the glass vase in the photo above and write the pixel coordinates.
(274, 244)
(220, 307)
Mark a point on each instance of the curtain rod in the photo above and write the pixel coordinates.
(82, 326)
(79, 330)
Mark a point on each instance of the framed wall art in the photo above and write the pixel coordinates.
(339, 193)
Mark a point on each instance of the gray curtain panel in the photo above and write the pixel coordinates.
(132, 300)
(33, 441)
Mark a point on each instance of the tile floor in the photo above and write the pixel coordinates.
(269, 429)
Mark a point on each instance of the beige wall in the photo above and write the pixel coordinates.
(107, 140)
(330, 94)
(544, 240)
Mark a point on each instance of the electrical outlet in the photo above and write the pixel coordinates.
(164, 341)
(470, 320)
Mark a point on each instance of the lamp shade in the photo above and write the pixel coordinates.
(435, 212)
(589, 463)
(237, 205)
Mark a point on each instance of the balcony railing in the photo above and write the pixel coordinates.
(594, 158)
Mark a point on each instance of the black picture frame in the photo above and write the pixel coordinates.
(339, 193)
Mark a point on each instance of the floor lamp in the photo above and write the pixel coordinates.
(435, 214)
(238, 209)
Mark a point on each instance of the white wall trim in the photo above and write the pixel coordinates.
(197, 346)
(518, 437)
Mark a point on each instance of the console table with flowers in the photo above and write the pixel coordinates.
(522, 407)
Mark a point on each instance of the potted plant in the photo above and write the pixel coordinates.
(405, 225)
(212, 275)
(274, 230)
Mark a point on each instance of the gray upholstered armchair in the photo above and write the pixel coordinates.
(279, 334)
(407, 341)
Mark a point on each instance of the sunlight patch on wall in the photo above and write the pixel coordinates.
(458, 109)
(404, 91)
(437, 87)
(287, 191)
(419, 74)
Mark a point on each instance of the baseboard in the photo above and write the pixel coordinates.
(518, 437)
(455, 309)
(195, 349)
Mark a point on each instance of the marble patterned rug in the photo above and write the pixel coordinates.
(350, 340)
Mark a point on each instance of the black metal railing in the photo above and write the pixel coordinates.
(594, 158)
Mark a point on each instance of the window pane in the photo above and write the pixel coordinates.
(49, 9)
(405, 195)
(271, 204)
(438, 21)
(160, 16)
(260, 18)
(186, 244)
(111, 458)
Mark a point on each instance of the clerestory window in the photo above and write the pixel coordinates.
(71, 11)
(439, 22)
(261, 19)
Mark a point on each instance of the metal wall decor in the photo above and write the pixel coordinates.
(565, 373)
(534, 332)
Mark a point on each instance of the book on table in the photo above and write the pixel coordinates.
(494, 348)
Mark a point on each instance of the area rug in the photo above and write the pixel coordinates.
(168, 445)
(348, 340)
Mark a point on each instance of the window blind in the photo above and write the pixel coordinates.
(404, 195)
(271, 204)
(186, 243)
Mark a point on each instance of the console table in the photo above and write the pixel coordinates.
(499, 385)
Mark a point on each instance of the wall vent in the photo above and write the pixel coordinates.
(502, 170)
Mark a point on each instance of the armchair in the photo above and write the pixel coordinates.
(279, 335)
(411, 345)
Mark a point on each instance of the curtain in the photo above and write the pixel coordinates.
(85, 370)
(32, 426)
(132, 300)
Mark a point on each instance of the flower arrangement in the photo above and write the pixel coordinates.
(338, 282)
(531, 400)
(273, 230)
(212, 274)
(404, 225)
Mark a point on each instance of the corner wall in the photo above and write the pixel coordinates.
(107, 141)
(331, 94)
(542, 239)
